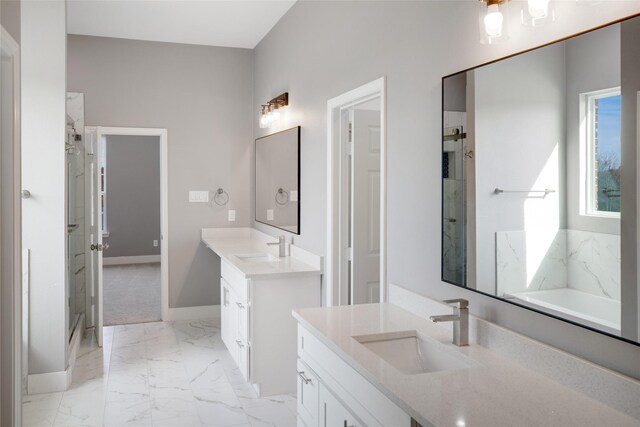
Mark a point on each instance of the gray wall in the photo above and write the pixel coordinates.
(202, 95)
(133, 195)
(10, 17)
(630, 85)
(316, 53)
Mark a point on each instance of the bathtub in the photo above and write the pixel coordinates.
(587, 309)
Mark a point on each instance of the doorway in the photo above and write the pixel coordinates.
(127, 187)
(356, 168)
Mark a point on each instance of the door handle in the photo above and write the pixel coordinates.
(99, 247)
(303, 377)
(26, 194)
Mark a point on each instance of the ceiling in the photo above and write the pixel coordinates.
(229, 23)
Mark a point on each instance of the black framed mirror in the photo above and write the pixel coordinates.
(277, 172)
(536, 151)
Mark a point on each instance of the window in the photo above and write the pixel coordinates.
(601, 148)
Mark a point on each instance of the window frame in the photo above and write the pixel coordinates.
(589, 198)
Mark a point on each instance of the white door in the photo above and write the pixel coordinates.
(365, 212)
(94, 235)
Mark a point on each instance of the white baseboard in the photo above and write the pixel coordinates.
(120, 260)
(61, 380)
(193, 313)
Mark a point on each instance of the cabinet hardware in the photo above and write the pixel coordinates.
(239, 343)
(303, 377)
(347, 425)
(239, 304)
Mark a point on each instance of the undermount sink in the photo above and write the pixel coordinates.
(412, 353)
(257, 257)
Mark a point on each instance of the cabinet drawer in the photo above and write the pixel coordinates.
(235, 279)
(308, 386)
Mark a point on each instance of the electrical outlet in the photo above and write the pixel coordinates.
(269, 214)
(232, 215)
(294, 195)
(155, 243)
(199, 196)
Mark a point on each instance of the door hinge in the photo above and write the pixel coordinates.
(350, 132)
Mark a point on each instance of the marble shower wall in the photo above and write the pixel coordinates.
(530, 261)
(593, 263)
(542, 260)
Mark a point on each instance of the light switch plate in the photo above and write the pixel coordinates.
(269, 214)
(199, 196)
(294, 195)
(232, 215)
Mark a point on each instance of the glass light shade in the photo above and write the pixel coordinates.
(493, 19)
(537, 12)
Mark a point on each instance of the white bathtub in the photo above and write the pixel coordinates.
(580, 307)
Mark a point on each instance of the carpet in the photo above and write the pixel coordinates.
(131, 293)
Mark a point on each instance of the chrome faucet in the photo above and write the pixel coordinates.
(282, 246)
(460, 319)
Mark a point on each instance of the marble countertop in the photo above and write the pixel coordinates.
(228, 246)
(496, 392)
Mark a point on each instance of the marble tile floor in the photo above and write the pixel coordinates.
(165, 374)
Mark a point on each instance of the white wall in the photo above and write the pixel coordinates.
(593, 63)
(43, 174)
(319, 50)
(519, 145)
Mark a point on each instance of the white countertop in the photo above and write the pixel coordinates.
(228, 243)
(497, 392)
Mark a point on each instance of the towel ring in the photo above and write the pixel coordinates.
(221, 197)
(282, 197)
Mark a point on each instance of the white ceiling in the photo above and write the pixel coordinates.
(230, 23)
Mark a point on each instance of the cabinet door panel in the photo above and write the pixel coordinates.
(333, 413)
(308, 385)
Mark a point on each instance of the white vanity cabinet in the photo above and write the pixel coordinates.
(257, 326)
(331, 393)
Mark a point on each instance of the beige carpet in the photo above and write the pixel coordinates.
(131, 293)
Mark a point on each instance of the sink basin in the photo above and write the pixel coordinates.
(257, 257)
(412, 353)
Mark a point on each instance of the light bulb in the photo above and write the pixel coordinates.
(275, 114)
(538, 9)
(493, 21)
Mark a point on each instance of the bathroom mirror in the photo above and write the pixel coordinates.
(278, 180)
(533, 162)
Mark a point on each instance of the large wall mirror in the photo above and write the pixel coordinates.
(278, 180)
(535, 151)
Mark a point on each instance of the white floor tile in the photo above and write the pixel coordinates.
(161, 374)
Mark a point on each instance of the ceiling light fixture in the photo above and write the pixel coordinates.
(270, 112)
(493, 25)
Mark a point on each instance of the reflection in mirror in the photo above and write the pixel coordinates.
(531, 172)
(278, 180)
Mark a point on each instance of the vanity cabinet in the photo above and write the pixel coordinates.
(257, 327)
(332, 393)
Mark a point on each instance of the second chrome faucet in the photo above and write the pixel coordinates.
(460, 319)
(282, 246)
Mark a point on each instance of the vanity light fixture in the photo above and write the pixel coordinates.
(537, 12)
(270, 112)
(493, 26)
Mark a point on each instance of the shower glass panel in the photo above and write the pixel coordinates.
(75, 153)
(453, 175)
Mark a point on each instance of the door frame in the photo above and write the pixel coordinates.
(13, 403)
(103, 131)
(371, 90)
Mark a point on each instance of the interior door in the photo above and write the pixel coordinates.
(94, 235)
(365, 215)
